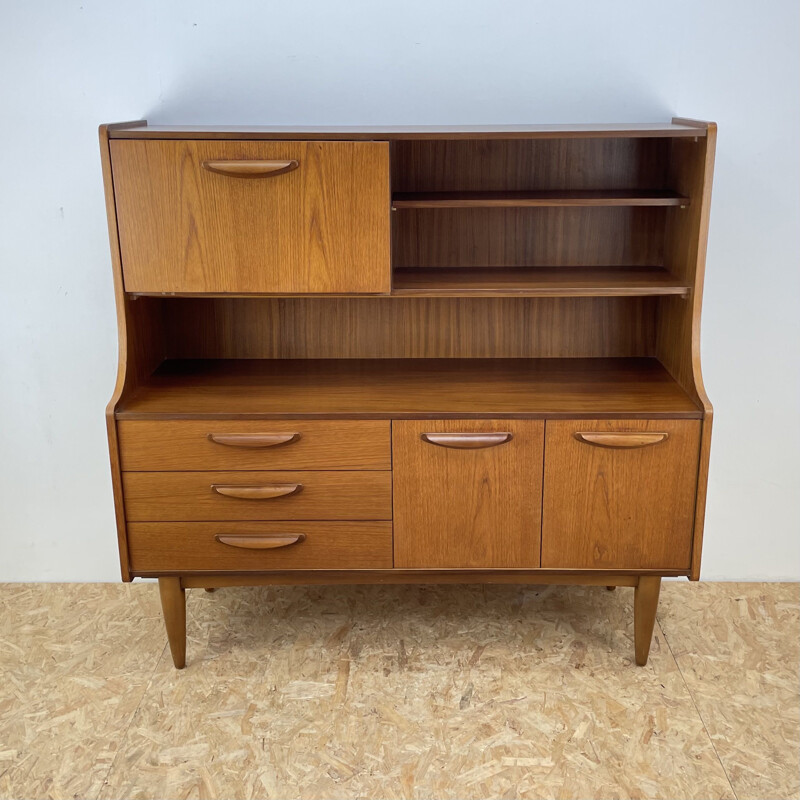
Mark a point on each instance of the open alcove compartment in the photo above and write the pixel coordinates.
(531, 277)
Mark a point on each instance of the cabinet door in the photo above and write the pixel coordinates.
(619, 494)
(467, 493)
(253, 217)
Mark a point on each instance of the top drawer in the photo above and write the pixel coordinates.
(253, 217)
(188, 445)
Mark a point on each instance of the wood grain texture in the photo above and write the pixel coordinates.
(645, 604)
(173, 606)
(678, 338)
(544, 165)
(678, 327)
(323, 227)
(140, 342)
(467, 508)
(619, 508)
(185, 445)
(528, 237)
(403, 388)
(160, 547)
(390, 132)
(410, 327)
(537, 282)
(189, 496)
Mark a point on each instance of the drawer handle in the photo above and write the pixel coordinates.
(253, 439)
(251, 169)
(621, 440)
(269, 541)
(467, 441)
(269, 492)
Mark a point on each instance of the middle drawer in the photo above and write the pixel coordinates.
(207, 496)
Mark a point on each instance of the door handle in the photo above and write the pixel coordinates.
(621, 440)
(467, 441)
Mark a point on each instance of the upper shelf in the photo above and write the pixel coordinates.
(536, 199)
(140, 130)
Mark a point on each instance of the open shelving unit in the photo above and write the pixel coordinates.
(521, 258)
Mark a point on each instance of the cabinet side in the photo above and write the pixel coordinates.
(133, 362)
(678, 325)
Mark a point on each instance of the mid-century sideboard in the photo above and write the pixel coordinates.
(409, 355)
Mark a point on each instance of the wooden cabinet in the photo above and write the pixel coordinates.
(619, 494)
(411, 355)
(253, 217)
(467, 493)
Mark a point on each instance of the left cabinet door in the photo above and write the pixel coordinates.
(467, 493)
(253, 217)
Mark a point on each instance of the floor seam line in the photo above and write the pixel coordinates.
(124, 737)
(697, 710)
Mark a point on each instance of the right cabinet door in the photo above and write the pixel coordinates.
(619, 494)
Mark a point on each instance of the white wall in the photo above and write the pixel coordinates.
(65, 67)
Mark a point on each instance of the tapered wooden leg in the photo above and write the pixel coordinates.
(173, 604)
(645, 603)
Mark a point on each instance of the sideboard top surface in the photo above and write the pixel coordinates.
(140, 130)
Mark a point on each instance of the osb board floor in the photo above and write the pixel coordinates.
(399, 692)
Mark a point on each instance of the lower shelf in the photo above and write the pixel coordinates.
(588, 388)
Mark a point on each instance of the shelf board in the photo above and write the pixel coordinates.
(575, 198)
(536, 282)
(589, 388)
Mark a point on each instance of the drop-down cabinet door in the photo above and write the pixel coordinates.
(467, 493)
(619, 494)
(288, 217)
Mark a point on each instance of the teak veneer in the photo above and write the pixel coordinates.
(398, 355)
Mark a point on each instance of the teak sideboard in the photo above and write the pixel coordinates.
(409, 355)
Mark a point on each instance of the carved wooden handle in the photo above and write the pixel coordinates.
(467, 441)
(268, 492)
(622, 440)
(253, 439)
(251, 169)
(267, 541)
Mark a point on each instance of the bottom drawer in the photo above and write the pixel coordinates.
(257, 546)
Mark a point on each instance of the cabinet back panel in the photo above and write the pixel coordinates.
(409, 327)
(528, 165)
(528, 237)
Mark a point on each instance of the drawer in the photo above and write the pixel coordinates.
(249, 444)
(200, 496)
(244, 546)
(619, 494)
(250, 217)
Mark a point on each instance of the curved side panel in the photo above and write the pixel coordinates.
(678, 332)
(125, 377)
